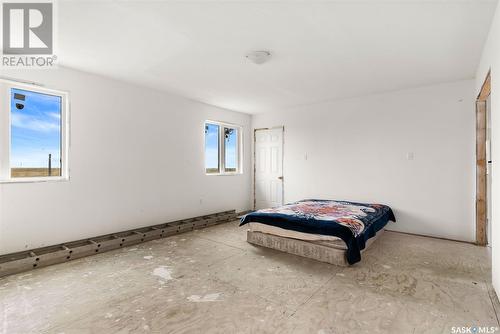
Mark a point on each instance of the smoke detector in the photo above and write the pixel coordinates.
(259, 57)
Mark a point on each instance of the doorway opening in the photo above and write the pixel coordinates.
(483, 163)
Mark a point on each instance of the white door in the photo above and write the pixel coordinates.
(268, 168)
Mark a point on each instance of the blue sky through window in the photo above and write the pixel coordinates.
(231, 146)
(211, 147)
(35, 130)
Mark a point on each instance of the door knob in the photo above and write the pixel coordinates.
(280, 177)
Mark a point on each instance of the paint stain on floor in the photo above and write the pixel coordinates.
(211, 297)
(163, 272)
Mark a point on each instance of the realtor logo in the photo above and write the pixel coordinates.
(28, 34)
(27, 28)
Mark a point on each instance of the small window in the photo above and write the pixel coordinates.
(34, 141)
(35, 132)
(222, 148)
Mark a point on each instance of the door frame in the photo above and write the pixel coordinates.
(282, 127)
(481, 163)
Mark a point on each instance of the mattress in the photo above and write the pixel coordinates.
(324, 221)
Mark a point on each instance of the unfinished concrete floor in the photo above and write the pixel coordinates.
(212, 281)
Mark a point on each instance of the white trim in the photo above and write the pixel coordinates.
(35, 179)
(222, 148)
(5, 173)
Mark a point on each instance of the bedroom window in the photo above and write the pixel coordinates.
(222, 148)
(32, 133)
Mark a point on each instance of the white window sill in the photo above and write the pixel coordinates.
(35, 179)
(223, 174)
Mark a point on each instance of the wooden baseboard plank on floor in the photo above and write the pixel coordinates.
(41, 257)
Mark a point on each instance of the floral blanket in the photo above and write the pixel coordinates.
(354, 223)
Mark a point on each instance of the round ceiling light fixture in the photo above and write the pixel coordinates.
(259, 57)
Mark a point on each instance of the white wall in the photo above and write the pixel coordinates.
(357, 150)
(491, 59)
(136, 159)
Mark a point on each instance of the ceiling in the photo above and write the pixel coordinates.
(321, 50)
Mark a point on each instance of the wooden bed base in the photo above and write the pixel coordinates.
(313, 250)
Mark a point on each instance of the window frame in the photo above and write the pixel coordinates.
(6, 86)
(222, 148)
